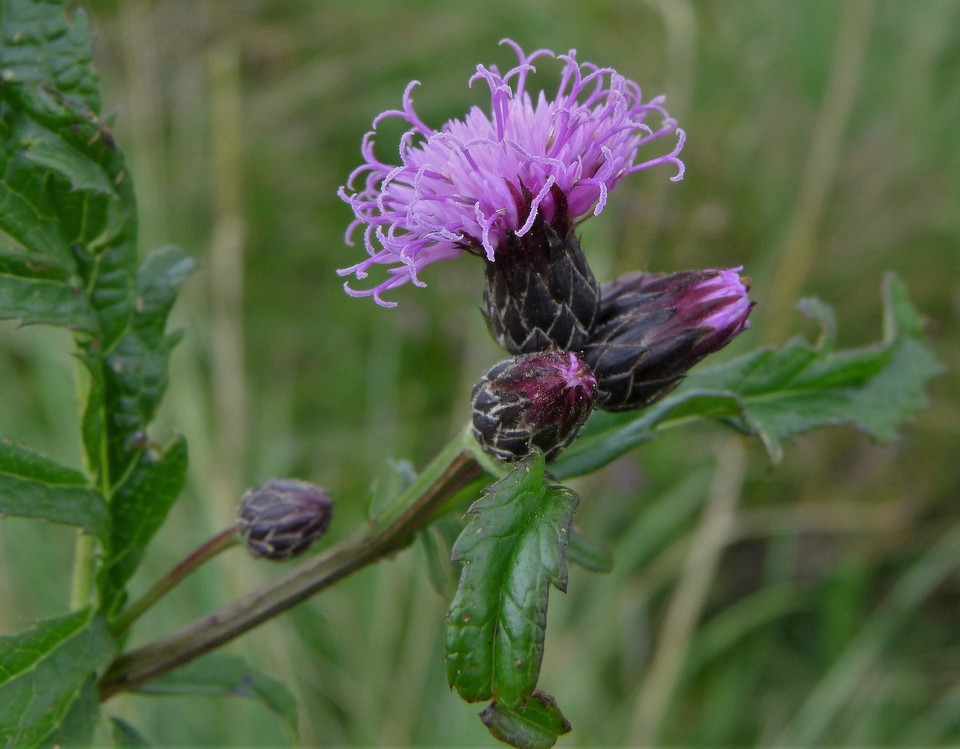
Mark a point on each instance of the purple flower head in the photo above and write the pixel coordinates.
(652, 328)
(468, 185)
(534, 401)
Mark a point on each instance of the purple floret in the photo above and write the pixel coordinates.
(464, 187)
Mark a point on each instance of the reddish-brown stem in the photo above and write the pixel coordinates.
(224, 540)
(450, 472)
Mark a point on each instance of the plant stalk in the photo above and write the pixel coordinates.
(451, 470)
(222, 541)
(82, 571)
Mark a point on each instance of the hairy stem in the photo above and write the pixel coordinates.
(222, 541)
(453, 469)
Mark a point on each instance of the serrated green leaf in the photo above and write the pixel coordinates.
(33, 486)
(537, 724)
(226, 675)
(42, 292)
(44, 671)
(64, 194)
(512, 551)
(41, 47)
(134, 372)
(777, 394)
(138, 509)
(66, 197)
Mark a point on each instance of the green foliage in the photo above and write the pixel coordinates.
(34, 486)
(46, 671)
(67, 201)
(535, 724)
(138, 509)
(513, 549)
(225, 675)
(777, 394)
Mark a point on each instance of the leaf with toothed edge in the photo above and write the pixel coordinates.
(777, 394)
(512, 550)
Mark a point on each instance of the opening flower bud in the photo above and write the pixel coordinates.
(534, 401)
(281, 518)
(652, 328)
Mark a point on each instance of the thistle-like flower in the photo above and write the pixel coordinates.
(535, 401)
(652, 328)
(482, 184)
(281, 518)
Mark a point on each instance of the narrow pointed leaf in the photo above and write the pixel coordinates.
(138, 509)
(34, 486)
(125, 735)
(225, 675)
(512, 552)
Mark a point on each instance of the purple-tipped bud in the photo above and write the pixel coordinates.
(652, 328)
(535, 401)
(281, 518)
(540, 293)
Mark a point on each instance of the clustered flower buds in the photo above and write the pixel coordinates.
(281, 518)
(534, 401)
(510, 186)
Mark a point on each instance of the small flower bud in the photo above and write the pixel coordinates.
(535, 401)
(652, 328)
(281, 518)
(540, 293)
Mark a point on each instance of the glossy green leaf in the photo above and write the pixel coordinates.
(32, 485)
(226, 675)
(139, 507)
(536, 724)
(777, 394)
(46, 671)
(512, 551)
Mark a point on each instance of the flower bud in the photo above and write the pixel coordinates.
(652, 328)
(281, 518)
(540, 293)
(535, 401)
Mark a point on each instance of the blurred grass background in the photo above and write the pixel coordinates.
(814, 602)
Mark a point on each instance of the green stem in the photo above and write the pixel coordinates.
(82, 571)
(453, 469)
(224, 540)
(82, 579)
